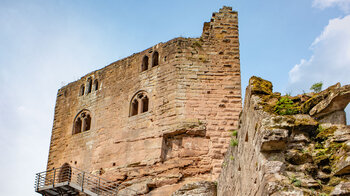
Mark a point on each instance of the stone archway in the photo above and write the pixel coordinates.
(65, 173)
(331, 108)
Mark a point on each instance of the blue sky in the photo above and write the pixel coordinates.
(47, 44)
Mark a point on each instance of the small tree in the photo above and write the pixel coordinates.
(317, 87)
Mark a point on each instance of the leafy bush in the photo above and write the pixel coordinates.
(285, 106)
(234, 142)
(234, 133)
(317, 87)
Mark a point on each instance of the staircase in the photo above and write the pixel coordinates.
(67, 181)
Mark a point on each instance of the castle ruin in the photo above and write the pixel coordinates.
(151, 122)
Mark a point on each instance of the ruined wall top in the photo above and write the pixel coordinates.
(289, 145)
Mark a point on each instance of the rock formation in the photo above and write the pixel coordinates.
(289, 145)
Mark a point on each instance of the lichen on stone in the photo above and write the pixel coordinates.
(260, 86)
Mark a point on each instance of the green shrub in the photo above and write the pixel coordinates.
(234, 142)
(285, 106)
(234, 133)
(317, 87)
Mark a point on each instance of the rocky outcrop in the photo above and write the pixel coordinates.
(201, 188)
(289, 145)
(331, 108)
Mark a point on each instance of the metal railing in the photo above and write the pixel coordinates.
(76, 178)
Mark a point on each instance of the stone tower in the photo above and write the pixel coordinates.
(157, 119)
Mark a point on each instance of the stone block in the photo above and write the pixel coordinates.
(273, 140)
(341, 189)
(201, 188)
(342, 166)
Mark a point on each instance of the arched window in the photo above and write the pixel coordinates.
(87, 123)
(144, 106)
(134, 107)
(82, 90)
(139, 103)
(96, 85)
(77, 126)
(82, 122)
(155, 59)
(89, 86)
(144, 66)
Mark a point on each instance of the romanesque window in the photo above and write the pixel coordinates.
(144, 63)
(82, 90)
(96, 85)
(155, 59)
(89, 86)
(82, 122)
(139, 103)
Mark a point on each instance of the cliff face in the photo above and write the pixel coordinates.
(289, 145)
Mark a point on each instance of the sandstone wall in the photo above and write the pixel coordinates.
(289, 145)
(194, 99)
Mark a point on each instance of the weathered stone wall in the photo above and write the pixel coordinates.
(288, 145)
(194, 99)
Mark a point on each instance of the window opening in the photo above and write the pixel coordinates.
(347, 113)
(139, 104)
(89, 86)
(96, 85)
(145, 104)
(155, 58)
(87, 123)
(144, 63)
(82, 122)
(77, 126)
(134, 107)
(82, 90)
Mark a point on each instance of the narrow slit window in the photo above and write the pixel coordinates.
(82, 90)
(144, 63)
(155, 59)
(89, 86)
(87, 123)
(96, 85)
(134, 108)
(145, 104)
(77, 126)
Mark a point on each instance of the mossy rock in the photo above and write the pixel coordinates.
(317, 98)
(260, 86)
(321, 159)
(309, 104)
(327, 189)
(326, 169)
(334, 181)
(325, 133)
(296, 157)
(268, 102)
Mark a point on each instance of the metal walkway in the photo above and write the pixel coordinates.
(67, 181)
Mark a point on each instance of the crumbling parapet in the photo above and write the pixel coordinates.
(289, 145)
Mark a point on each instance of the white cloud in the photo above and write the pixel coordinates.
(341, 4)
(330, 62)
